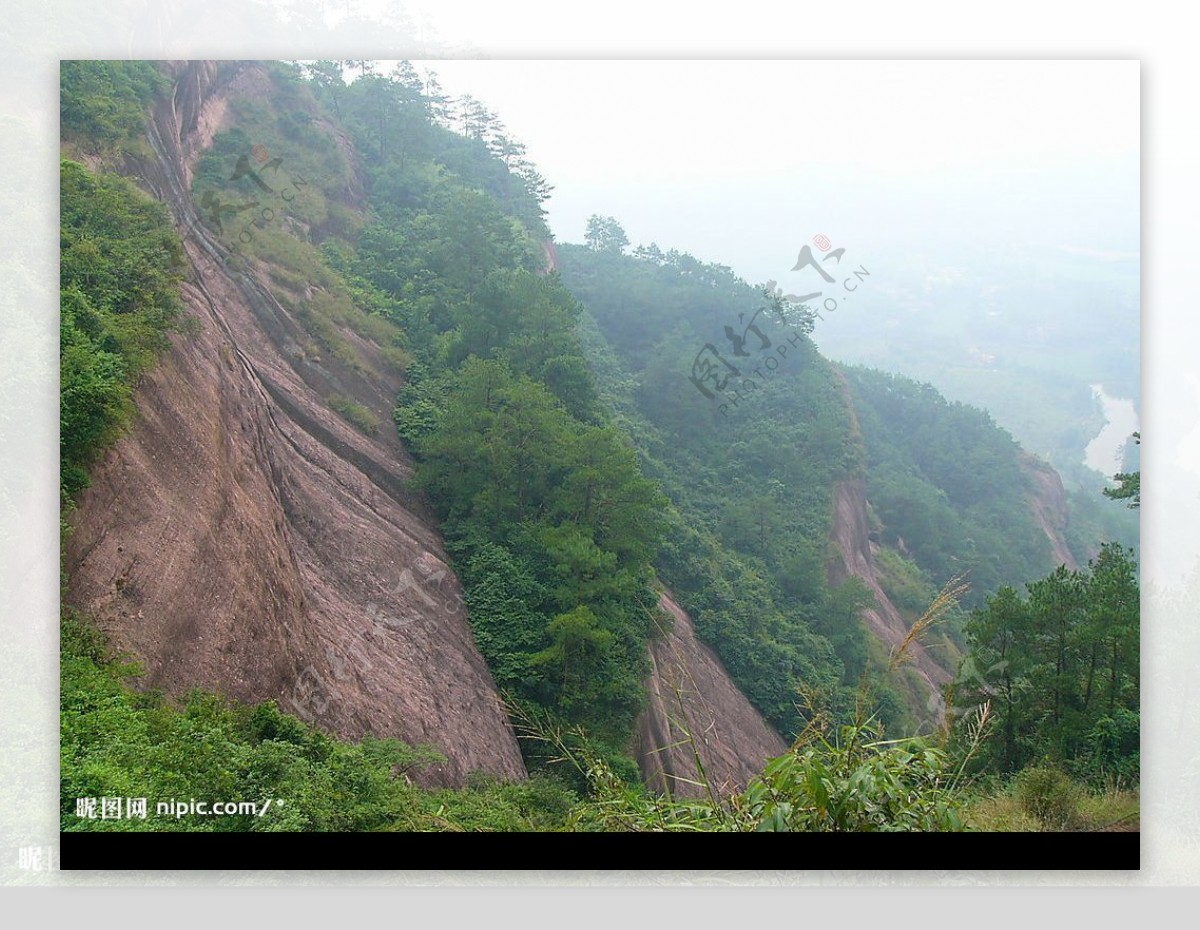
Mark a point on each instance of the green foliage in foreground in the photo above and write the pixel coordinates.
(1061, 666)
(210, 749)
(832, 780)
(117, 742)
(1045, 799)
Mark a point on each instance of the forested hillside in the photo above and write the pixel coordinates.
(754, 470)
(429, 522)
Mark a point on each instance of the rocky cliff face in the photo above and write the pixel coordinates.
(243, 538)
(855, 556)
(855, 552)
(1048, 501)
(695, 710)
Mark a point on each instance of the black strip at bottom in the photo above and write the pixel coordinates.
(122, 851)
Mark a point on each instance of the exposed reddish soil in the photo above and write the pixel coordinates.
(244, 538)
(855, 557)
(550, 252)
(1048, 503)
(691, 695)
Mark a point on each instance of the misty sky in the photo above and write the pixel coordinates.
(1005, 187)
(740, 162)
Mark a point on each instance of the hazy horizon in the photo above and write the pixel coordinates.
(741, 162)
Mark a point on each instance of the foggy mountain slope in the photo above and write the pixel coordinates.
(856, 557)
(1045, 499)
(805, 475)
(245, 539)
(691, 694)
(1048, 502)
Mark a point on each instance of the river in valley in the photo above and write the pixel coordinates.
(1103, 453)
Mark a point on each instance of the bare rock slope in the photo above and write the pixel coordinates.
(695, 709)
(1048, 503)
(244, 538)
(855, 556)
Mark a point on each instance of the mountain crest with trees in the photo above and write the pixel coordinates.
(342, 451)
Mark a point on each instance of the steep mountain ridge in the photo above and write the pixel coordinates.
(812, 475)
(856, 557)
(245, 539)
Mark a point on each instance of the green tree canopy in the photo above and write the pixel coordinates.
(604, 234)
